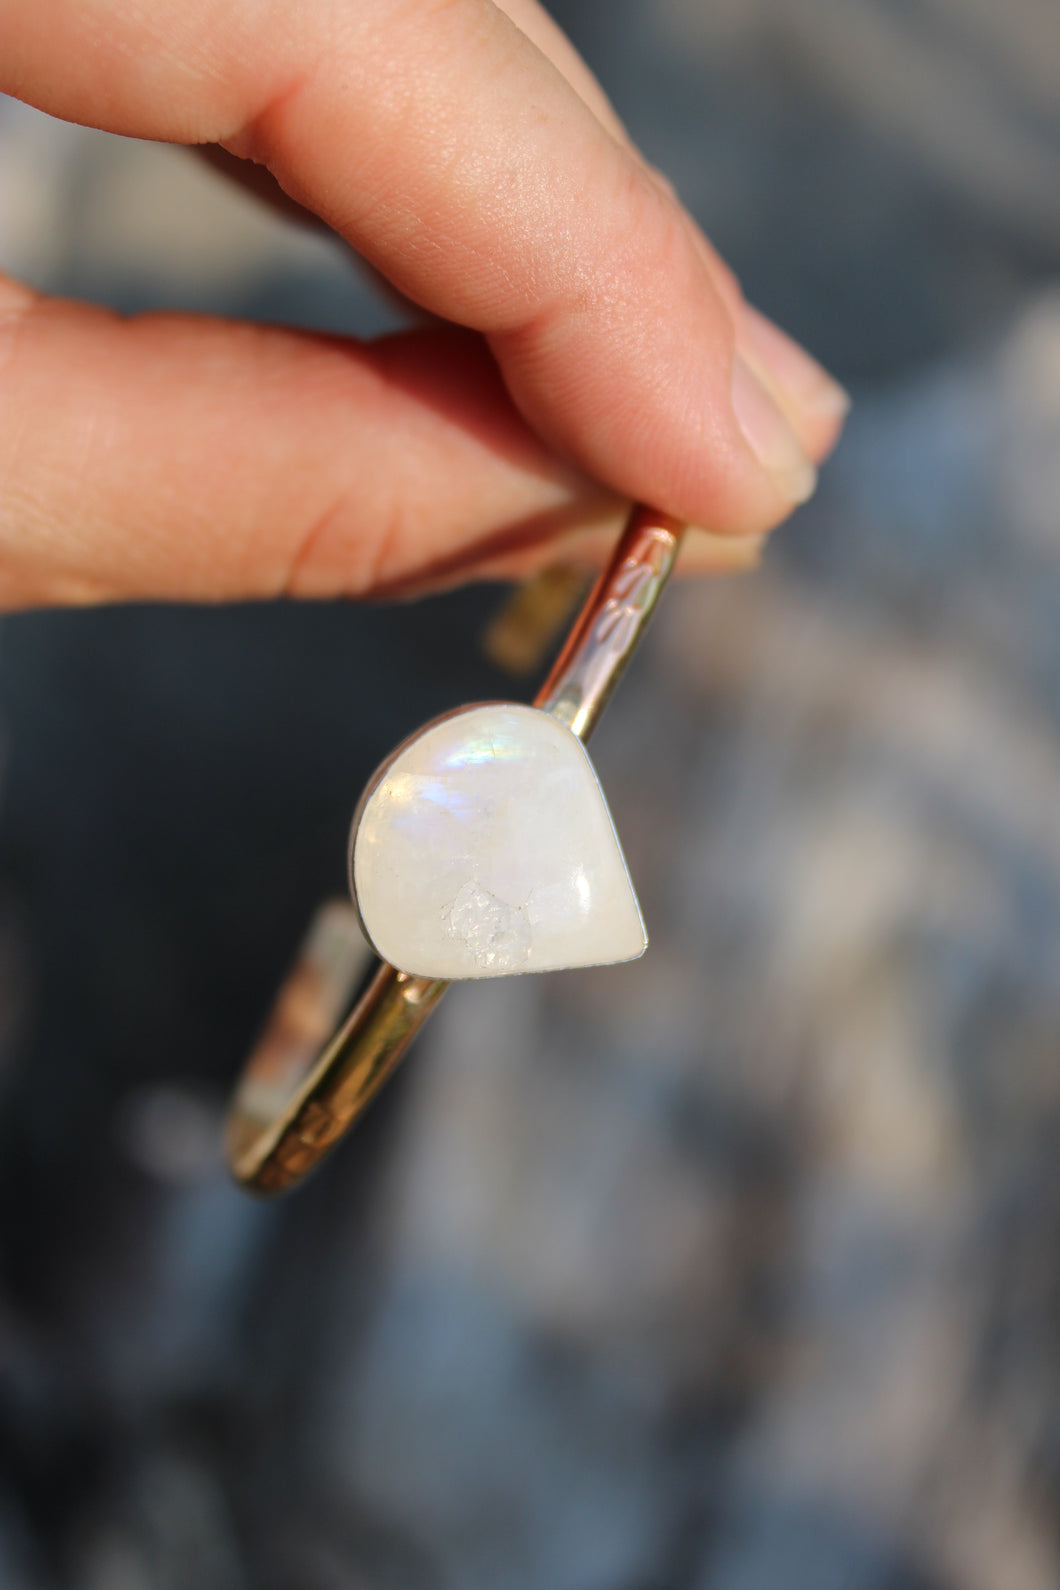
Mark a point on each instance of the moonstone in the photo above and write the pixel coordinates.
(484, 847)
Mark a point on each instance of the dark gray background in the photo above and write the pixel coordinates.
(733, 1270)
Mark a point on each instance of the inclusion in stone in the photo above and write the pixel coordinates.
(484, 847)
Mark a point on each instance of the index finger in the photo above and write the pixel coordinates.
(447, 148)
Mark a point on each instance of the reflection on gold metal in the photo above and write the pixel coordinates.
(296, 1098)
(519, 636)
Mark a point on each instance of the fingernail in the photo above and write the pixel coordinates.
(708, 552)
(798, 378)
(769, 435)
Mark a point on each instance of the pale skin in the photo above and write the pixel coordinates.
(582, 343)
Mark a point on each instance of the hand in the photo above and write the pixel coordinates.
(596, 349)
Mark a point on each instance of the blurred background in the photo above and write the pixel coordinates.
(735, 1269)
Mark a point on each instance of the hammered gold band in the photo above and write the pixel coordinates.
(312, 1072)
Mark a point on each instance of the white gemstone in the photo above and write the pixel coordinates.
(485, 847)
